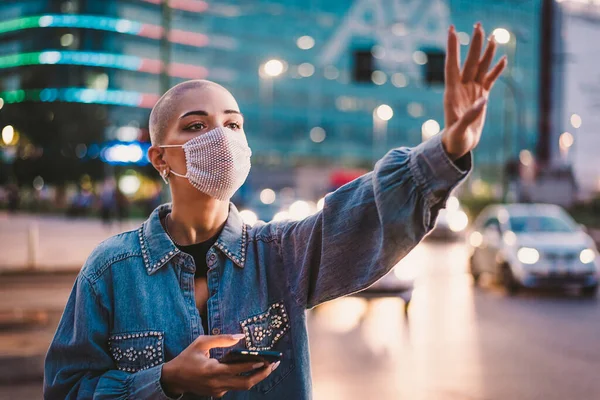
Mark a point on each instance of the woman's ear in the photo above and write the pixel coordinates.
(155, 155)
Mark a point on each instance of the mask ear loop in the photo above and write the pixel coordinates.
(167, 171)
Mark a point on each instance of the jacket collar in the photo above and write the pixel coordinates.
(158, 248)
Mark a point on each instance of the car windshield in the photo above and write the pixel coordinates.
(540, 224)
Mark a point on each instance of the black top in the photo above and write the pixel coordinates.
(198, 251)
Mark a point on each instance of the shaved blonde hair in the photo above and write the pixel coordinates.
(162, 112)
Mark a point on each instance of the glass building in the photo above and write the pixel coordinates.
(331, 83)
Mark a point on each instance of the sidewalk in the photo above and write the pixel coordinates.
(49, 243)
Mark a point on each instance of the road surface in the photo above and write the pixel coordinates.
(459, 342)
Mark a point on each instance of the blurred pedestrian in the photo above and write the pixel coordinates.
(153, 310)
(108, 201)
(122, 207)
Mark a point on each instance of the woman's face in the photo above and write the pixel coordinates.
(197, 111)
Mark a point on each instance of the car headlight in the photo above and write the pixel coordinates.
(587, 256)
(528, 255)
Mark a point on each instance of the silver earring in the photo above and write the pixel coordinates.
(165, 175)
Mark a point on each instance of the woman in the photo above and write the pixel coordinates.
(153, 310)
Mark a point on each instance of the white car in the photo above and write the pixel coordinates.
(533, 245)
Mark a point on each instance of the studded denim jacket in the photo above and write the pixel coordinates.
(132, 307)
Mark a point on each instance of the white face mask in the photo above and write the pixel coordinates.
(218, 162)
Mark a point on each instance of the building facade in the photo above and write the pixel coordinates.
(77, 74)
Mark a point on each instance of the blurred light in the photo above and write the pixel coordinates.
(399, 80)
(378, 77)
(419, 57)
(299, 210)
(305, 42)
(317, 134)
(378, 51)
(526, 158)
(452, 204)
(384, 112)
(123, 26)
(306, 69)
(479, 188)
(50, 57)
(249, 217)
(38, 183)
(80, 150)
(343, 315)
(8, 134)
(415, 109)
(575, 121)
(124, 153)
(527, 255)
(282, 216)
(273, 68)
(406, 271)
(1, 103)
(430, 128)
(501, 35)
(129, 184)
(476, 239)
(331, 72)
(457, 221)
(98, 82)
(510, 238)
(320, 204)
(66, 40)
(587, 256)
(463, 38)
(127, 133)
(566, 140)
(268, 196)
(399, 29)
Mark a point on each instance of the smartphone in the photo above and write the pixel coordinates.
(237, 356)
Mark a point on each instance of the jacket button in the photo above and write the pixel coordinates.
(216, 331)
(212, 259)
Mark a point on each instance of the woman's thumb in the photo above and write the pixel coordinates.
(210, 342)
(471, 115)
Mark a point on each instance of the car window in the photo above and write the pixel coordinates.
(539, 224)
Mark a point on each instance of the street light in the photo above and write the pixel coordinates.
(429, 129)
(273, 68)
(381, 115)
(501, 35)
(576, 121)
(384, 112)
(8, 134)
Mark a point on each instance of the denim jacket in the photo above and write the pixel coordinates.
(132, 307)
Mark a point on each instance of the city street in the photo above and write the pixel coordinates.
(459, 342)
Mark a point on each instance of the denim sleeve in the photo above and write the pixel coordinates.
(78, 365)
(368, 225)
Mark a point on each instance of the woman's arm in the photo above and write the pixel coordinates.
(78, 365)
(368, 225)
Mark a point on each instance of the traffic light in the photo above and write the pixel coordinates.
(363, 65)
(434, 68)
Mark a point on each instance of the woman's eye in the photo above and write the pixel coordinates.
(234, 125)
(196, 126)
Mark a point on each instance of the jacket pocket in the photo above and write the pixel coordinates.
(136, 351)
(270, 330)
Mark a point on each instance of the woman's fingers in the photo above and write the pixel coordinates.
(452, 69)
(470, 68)
(248, 382)
(486, 60)
(236, 369)
(493, 75)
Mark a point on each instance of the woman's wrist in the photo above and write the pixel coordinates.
(168, 381)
